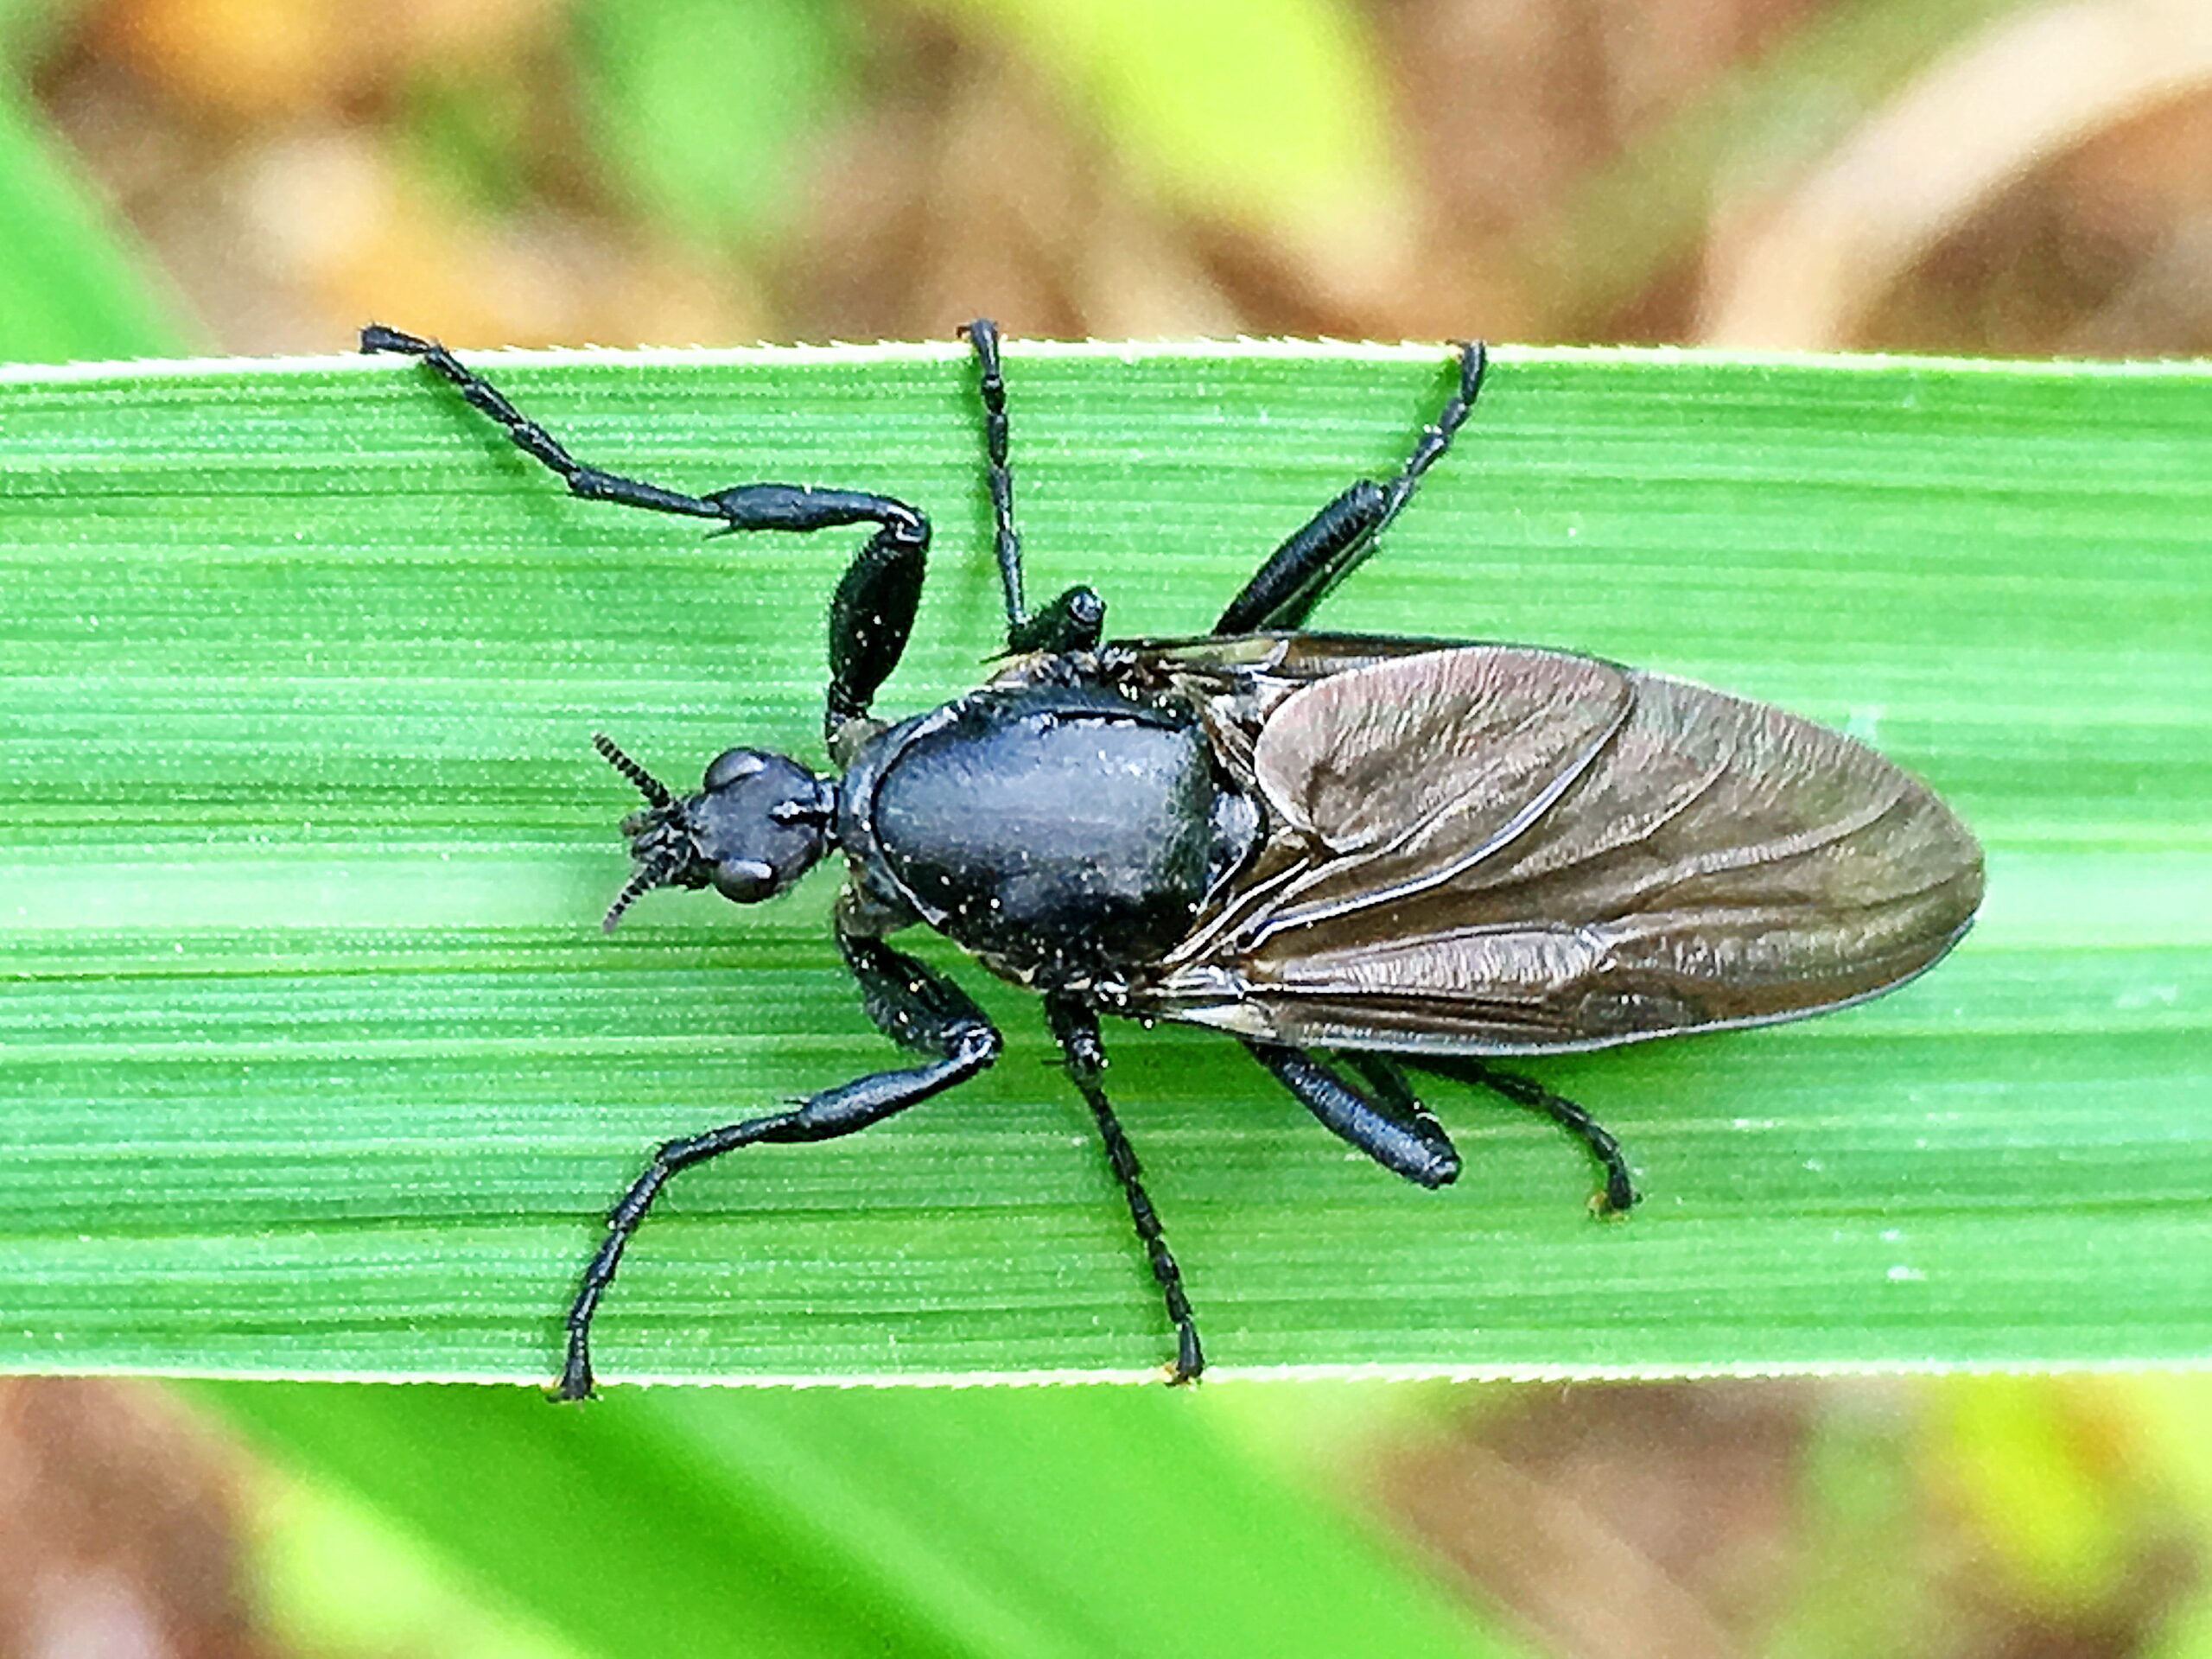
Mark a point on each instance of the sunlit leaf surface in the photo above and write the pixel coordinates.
(315, 1063)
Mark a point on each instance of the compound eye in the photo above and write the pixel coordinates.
(733, 765)
(744, 880)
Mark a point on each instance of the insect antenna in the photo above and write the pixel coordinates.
(652, 874)
(648, 785)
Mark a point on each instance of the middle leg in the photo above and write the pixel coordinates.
(1077, 620)
(1076, 1029)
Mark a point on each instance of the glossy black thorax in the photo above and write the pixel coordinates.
(1062, 832)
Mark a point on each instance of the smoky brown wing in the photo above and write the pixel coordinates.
(1499, 849)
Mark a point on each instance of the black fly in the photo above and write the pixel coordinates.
(1400, 851)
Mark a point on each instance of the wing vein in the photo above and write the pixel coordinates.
(1525, 819)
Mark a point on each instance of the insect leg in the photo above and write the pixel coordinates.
(983, 336)
(1387, 1078)
(1283, 591)
(1077, 620)
(1408, 1142)
(1620, 1194)
(907, 999)
(874, 611)
(1076, 1029)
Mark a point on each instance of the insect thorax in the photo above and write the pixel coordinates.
(1061, 832)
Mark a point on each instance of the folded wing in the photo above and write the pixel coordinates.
(1492, 849)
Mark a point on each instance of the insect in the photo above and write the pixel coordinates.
(1396, 852)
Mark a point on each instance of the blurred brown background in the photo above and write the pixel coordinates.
(1955, 175)
(1952, 176)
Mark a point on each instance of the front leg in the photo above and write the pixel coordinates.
(908, 1001)
(873, 612)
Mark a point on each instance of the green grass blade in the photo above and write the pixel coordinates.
(1023, 1522)
(69, 287)
(315, 1064)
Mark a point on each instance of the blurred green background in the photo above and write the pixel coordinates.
(253, 176)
